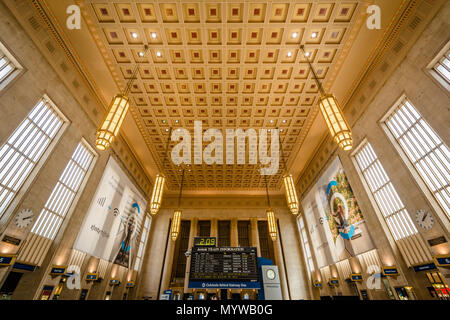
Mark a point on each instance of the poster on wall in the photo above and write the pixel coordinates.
(335, 221)
(114, 219)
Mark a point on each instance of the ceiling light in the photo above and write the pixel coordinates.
(167, 130)
(176, 121)
(314, 35)
(271, 121)
(291, 193)
(154, 35)
(141, 54)
(134, 35)
(284, 121)
(158, 53)
(294, 35)
(289, 53)
(155, 202)
(307, 54)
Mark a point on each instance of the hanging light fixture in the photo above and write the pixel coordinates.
(271, 221)
(176, 219)
(158, 188)
(332, 113)
(117, 111)
(289, 186)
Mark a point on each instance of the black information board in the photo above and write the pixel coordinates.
(234, 264)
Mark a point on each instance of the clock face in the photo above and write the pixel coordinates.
(24, 218)
(424, 219)
(270, 274)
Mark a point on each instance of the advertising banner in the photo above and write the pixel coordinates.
(114, 220)
(335, 221)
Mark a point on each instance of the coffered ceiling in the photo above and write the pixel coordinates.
(229, 64)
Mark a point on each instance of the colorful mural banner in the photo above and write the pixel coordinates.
(113, 223)
(335, 221)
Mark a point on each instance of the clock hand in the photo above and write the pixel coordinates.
(424, 216)
(27, 218)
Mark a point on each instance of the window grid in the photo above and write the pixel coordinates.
(307, 253)
(7, 67)
(24, 148)
(142, 244)
(52, 215)
(442, 67)
(424, 148)
(394, 212)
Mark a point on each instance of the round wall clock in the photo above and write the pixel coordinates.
(424, 219)
(270, 274)
(24, 218)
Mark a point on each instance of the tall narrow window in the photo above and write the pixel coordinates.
(224, 233)
(394, 212)
(204, 228)
(142, 244)
(265, 242)
(306, 247)
(25, 147)
(425, 150)
(9, 67)
(440, 66)
(244, 228)
(69, 184)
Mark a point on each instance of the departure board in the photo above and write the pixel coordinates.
(224, 264)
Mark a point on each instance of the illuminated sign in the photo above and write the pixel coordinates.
(58, 270)
(334, 281)
(356, 277)
(390, 271)
(130, 284)
(114, 282)
(442, 260)
(424, 267)
(204, 242)
(92, 276)
(24, 266)
(317, 284)
(7, 259)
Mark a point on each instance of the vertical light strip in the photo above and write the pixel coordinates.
(52, 215)
(25, 147)
(394, 212)
(142, 244)
(6, 67)
(426, 151)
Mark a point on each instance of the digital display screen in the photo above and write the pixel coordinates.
(204, 242)
(234, 264)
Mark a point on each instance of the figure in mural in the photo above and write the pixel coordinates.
(128, 232)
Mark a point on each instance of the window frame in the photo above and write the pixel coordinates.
(74, 202)
(434, 204)
(19, 69)
(434, 74)
(28, 182)
(381, 217)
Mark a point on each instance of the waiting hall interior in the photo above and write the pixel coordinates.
(224, 150)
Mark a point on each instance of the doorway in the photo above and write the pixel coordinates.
(10, 284)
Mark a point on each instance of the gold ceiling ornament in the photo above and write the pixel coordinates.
(289, 185)
(332, 113)
(117, 111)
(271, 221)
(176, 219)
(158, 188)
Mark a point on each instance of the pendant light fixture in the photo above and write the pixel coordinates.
(271, 221)
(289, 186)
(158, 188)
(176, 219)
(117, 111)
(332, 113)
